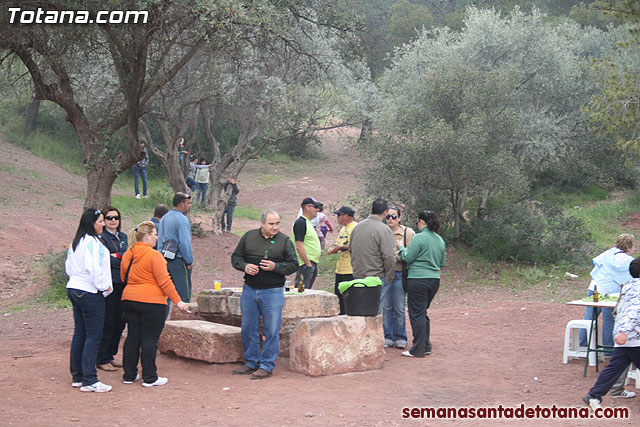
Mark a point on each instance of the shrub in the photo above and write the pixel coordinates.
(529, 232)
(56, 294)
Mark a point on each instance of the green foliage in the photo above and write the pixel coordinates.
(530, 232)
(56, 294)
(247, 212)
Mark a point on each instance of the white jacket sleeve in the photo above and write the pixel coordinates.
(100, 265)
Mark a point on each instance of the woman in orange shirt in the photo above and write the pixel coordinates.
(144, 302)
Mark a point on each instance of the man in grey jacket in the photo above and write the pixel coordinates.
(372, 246)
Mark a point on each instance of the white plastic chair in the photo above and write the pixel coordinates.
(572, 346)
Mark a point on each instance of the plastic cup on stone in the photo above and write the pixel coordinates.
(217, 285)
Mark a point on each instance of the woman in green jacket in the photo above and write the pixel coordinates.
(425, 256)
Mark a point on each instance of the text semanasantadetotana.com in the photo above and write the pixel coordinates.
(519, 412)
(42, 16)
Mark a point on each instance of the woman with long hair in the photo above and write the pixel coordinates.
(425, 256)
(116, 242)
(89, 272)
(148, 285)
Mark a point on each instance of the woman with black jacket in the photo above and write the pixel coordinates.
(116, 242)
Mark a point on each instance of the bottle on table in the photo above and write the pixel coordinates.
(300, 284)
(596, 297)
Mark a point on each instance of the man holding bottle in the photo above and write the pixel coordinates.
(266, 256)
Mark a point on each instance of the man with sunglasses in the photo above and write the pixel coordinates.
(372, 246)
(344, 271)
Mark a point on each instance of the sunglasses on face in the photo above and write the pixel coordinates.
(391, 216)
(112, 218)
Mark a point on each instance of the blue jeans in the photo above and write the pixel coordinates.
(392, 305)
(229, 212)
(140, 172)
(265, 303)
(88, 318)
(202, 192)
(607, 326)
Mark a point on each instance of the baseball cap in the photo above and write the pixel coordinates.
(345, 210)
(310, 201)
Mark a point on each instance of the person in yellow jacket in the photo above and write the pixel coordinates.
(144, 300)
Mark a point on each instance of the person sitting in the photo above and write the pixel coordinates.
(627, 338)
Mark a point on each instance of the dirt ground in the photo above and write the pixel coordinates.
(491, 346)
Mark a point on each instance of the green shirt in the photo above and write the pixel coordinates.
(425, 255)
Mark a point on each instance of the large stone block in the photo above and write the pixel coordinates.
(202, 340)
(310, 303)
(335, 345)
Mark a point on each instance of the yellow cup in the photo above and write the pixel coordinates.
(217, 284)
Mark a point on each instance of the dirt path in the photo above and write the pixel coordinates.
(490, 347)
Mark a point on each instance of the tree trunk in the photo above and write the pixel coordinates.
(100, 180)
(482, 207)
(176, 178)
(31, 117)
(365, 131)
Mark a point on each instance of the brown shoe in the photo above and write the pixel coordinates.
(116, 364)
(261, 374)
(106, 367)
(245, 370)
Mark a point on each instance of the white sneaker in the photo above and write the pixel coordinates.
(76, 384)
(145, 196)
(131, 382)
(137, 196)
(159, 381)
(97, 387)
(625, 394)
(407, 354)
(593, 402)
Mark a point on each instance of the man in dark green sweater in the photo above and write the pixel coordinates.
(266, 256)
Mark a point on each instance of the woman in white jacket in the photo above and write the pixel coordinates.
(89, 269)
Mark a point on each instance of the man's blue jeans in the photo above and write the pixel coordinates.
(228, 211)
(140, 172)
(265, 303)
(392, 301)
(88, 317)
(607, 326)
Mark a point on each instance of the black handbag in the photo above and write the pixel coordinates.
(405, 270)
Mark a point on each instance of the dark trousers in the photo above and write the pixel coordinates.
(341, 278)
(113, 325)
(420, 294)
(228, 211)
(181, 277)
(88, 318)
(144, 322)
(620, 359)
(308, 274)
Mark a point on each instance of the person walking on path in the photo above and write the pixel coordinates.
(266, 256)
(394, 295)
(148, 286)
(174, 241)
(307, 242)
(140, 171)
(344, 271)
(89, 271)
(627, 339)
(114, 323)
(425, 257)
